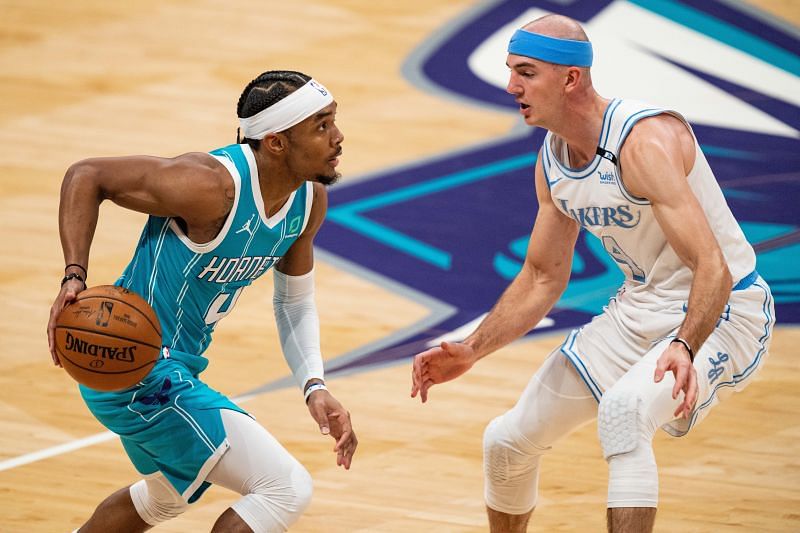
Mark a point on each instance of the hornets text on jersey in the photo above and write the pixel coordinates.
(191, 285)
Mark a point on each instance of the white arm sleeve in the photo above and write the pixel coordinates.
(298, 325)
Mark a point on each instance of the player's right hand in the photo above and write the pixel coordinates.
(437, 365)
(69, 291)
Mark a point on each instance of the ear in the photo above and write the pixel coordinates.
(572, 79)
(275, 143)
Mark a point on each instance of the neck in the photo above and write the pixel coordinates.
(275, 180)
(580, 126)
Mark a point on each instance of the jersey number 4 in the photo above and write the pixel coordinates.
(222, 305)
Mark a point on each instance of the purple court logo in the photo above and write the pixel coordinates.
(458, 260)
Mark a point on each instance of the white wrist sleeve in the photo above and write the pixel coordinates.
(298, 325)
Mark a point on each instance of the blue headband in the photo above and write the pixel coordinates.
(551, 49)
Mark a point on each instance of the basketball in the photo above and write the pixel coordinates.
(108, 338)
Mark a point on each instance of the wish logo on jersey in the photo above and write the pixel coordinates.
(454, 229)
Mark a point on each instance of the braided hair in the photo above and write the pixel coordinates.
(267, 89)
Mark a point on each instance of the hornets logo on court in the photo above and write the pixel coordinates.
(455, 228)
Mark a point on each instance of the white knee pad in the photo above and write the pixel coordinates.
(156, 500)
(511, 469)
(274, 503)
(626, 435)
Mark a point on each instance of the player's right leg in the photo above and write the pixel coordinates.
(554, 403)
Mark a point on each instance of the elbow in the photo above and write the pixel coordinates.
(82, 178)
(726, 275)
(550, 283)
(723, 272)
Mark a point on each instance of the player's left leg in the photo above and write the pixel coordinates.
(633, 409)
(629, 414)
(275, 487)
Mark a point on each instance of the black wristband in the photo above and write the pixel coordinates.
(73, 275)
(685, 345)
(85, 272)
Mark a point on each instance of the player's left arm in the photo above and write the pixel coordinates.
(298, 328)
(656, 160)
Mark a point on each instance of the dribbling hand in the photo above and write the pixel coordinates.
(437, 365)
(69, 291)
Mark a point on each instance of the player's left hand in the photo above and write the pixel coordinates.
(676, 359)
(334, 420)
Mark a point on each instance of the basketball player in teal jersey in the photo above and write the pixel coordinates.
(217, 221)
(691, 323)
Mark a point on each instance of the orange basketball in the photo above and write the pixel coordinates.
(108, 339)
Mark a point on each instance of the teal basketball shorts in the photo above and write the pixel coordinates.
(169, 422)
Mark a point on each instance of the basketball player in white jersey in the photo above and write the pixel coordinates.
(217, 221)
(691, 323)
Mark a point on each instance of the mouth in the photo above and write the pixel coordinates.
(523, 107)
(334, 161)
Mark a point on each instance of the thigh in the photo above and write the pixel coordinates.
(170, 422)
(254, 456)
(733, 353)
(555, 402)
(655, 403)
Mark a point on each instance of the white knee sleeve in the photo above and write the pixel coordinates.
(275, 487)
(511, 469)
(156, 500)
(272, 505)
(626, 434)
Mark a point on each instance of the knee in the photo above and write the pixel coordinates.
(303, 488)
(622, 422)
(505, 452)
(511, 468)
(290, 492)
(156, 503)
(626, 436)
(275, 503)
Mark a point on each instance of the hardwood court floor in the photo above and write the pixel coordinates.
(92, 78)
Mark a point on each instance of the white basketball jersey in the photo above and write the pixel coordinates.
(596, 198)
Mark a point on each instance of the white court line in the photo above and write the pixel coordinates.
(78, 444)
(56, 450)
(107, 435)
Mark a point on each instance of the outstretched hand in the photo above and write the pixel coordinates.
(437, 365)
(334, 420)
(69, 291)
(675, 359)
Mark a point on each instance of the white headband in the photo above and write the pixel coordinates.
(287, 112)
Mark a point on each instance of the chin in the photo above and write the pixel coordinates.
(327, 180)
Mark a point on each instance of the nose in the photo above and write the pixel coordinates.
(338, 136)
(513, 86)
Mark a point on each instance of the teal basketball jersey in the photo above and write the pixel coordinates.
(193, 286)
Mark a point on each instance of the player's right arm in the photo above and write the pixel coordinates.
(533, 292)
(194, 187)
